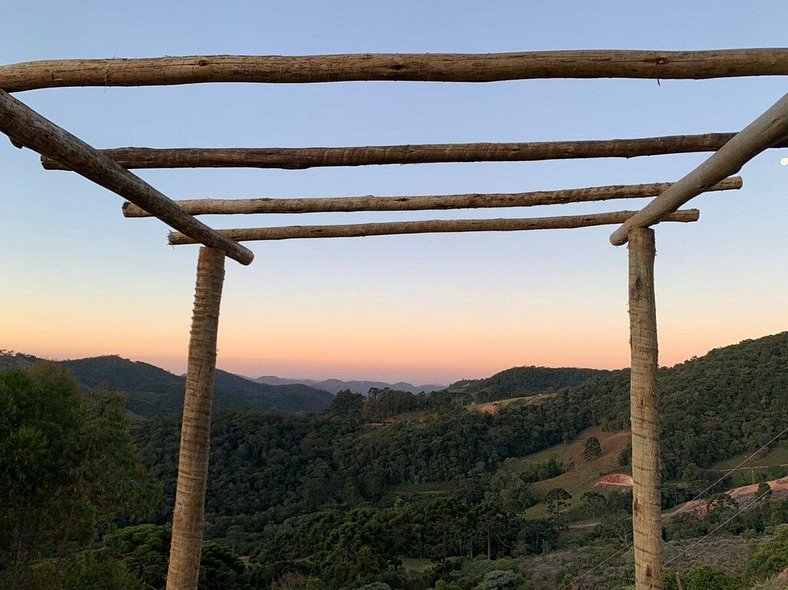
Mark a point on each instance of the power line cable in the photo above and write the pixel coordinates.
(697, 497)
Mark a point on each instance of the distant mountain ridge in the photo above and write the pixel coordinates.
(151, 391)
(357, 386)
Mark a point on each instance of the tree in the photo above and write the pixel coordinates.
(490, 516)
(705, 577)
(617, 525)
(625, 456)
(348, 405)
(556, 499)
(592, 449)
(771, 558)
(764, 491)
(594, 502)
(721, 502)
(68, 466)
(143, 549)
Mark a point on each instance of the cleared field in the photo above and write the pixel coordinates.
(582, 474)
(514, 402)
(777, 457)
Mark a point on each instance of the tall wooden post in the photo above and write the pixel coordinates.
(646, 509)
(188, 518)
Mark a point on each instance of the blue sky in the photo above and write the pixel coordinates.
(78, 279)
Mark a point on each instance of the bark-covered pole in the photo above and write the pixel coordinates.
(189, 518)
(646, 507)
(770, 129)
(422, 202)
(302, 158)
(357, 230)
(26, 127)
(430, 67)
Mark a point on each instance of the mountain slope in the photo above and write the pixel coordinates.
(152, 391)
(523, 382)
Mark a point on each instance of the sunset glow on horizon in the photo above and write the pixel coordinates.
(80, 280)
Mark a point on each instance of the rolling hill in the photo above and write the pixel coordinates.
(151, 391)
(523, 382)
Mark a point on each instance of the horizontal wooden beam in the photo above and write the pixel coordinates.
(766, 131)
(28, 128)
(432, 67)
(317, 157)
(422, 203)
(428, 227)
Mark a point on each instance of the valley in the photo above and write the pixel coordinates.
(483, 480)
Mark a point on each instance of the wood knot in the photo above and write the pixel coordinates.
(202, 62)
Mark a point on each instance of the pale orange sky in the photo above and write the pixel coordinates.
(80, 280)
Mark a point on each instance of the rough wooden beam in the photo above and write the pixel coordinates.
(317, 157)
(27, 127)
(421, 203)
(646, 508)
(188, 518)
(431, 226)
(766, 131)
(434, 67)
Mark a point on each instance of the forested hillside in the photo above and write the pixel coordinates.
(267, 468)
(522, 382)
(420, 491)
(151, 391)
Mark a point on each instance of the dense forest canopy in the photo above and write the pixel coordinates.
(357, 493)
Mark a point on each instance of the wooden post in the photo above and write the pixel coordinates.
(646, 509)
(189, 518)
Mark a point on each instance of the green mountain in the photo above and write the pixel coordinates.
(151, 391)
(523, 382)
(732, 400)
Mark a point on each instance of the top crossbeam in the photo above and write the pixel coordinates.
(430, 67)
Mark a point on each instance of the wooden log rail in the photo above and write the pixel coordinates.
(430, 226)
(433, 67)
(423, 203)
(770, 129)
(318, 157)
(28, 128)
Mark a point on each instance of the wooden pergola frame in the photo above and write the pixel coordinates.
(110, 169)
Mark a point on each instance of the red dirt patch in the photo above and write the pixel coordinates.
(744, 497)
(615, 481)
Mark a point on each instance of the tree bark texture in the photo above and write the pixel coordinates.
(434, 67)
(425, 202)
(26, 127)
(431, 226)
(646, 506)
(188, 517)
(319, 157)
(766, 131)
